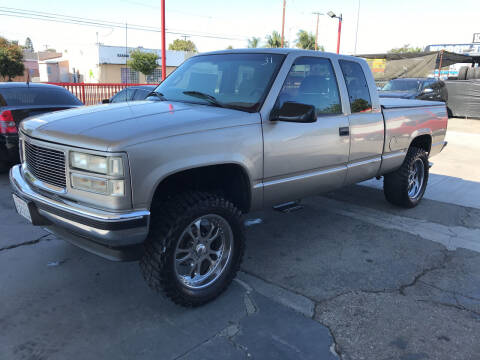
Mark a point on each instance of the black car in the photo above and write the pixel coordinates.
(21, 100)
(131, 93)
(415, 88)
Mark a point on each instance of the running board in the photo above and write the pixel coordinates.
(288, 206)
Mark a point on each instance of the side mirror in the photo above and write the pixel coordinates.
(105, 101)
(294, 112)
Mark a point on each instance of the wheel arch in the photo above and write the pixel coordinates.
(422, 141)
(229, 179)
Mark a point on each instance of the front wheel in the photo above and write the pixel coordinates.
(406, 186)
(194, 248)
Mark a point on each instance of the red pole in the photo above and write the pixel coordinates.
(83, 94)
(164, 52)
(339, 33)
(283, 22)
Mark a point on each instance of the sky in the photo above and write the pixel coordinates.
(382, 24)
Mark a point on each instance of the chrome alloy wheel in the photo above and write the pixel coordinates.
(416, 177)
(203, 251)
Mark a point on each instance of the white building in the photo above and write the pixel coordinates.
(107, 64)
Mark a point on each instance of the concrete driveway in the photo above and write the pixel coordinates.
(347, 276)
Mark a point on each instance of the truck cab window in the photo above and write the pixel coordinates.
(358, 91)
(312, 81)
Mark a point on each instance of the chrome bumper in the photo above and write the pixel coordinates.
(80, 224)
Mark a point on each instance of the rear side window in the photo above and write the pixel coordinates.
(25, 96)
(312, 81)
(124, 95)
(358, 92)
(141, 94)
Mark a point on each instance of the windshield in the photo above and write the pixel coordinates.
(402, 85)
(238, 81)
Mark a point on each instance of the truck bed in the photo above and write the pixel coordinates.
(392, 103)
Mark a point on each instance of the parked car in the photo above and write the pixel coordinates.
(21, 100)
(415, 88)
(166, 181)
(131, 93)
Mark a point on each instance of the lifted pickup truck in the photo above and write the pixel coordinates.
(166, 180)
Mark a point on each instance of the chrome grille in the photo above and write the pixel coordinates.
(47, 165)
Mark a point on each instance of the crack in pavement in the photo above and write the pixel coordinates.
(26, 243)
(458, 306)
(454, 293)
(446, 258)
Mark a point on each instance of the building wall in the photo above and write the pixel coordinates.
(112, 73)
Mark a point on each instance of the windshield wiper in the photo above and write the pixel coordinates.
(211, 99)
(157, 94)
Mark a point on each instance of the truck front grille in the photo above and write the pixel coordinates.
(47, 165)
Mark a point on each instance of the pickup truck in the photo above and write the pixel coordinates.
(166, 180)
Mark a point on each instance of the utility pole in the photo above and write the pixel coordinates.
(340, 19)
(356, 33)
(316, 32)
(126, 54)
(283, 21)
(164, 52)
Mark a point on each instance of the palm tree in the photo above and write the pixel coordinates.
(275, 40)
(253, 42)
(306, 41)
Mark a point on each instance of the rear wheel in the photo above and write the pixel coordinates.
(194, 249)
(406, 186)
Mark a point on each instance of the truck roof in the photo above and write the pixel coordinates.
(283, 51)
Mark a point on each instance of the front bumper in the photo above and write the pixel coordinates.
(112, 235)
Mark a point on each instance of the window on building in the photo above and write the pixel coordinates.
(129, 76)
(155, 77)
(358, 91)
(312, 81)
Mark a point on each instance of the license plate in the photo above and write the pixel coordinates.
(22, 208)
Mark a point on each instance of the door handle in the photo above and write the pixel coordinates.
(344, 131)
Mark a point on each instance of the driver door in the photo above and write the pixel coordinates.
(302, 159)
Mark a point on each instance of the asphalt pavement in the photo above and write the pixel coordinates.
(346, 276)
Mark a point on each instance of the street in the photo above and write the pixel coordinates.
(347, 276)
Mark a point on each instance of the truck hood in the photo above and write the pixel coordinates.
(397, 94)
(114, 127)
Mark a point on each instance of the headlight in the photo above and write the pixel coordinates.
(98, 185)
(112, 165)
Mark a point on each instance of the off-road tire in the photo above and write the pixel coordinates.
(395, 184)
(167, 223)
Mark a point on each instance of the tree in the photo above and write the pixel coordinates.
(253, 42)
(306, 41)
(183, 45)
(144, 62)
(274, 40)
(405, 49)
(229, 47)
(28, 45)
(11, 59)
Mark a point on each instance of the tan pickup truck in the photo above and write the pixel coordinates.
(166, 180)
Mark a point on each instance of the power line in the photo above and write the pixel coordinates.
(60, 18)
